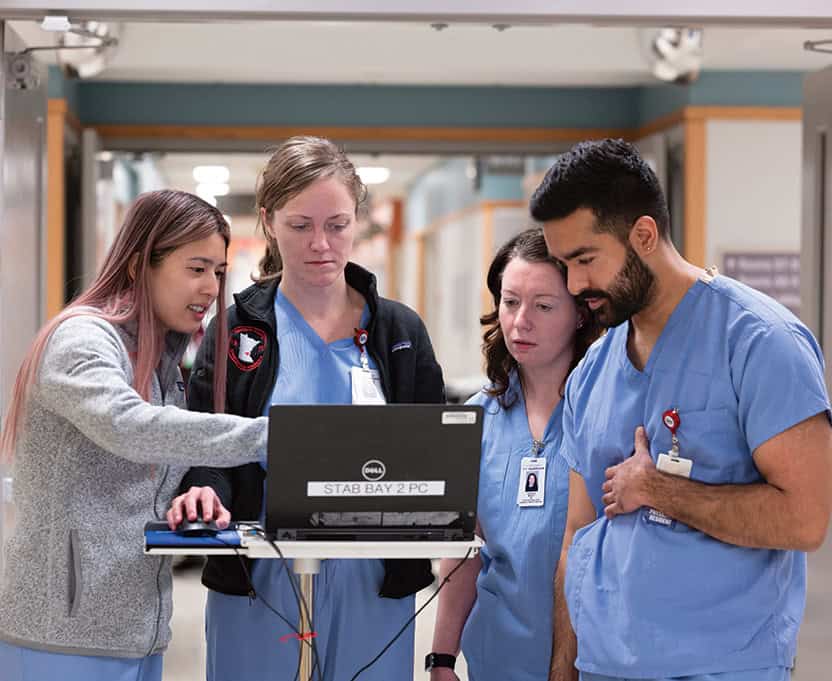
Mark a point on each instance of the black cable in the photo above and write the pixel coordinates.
(412, 618)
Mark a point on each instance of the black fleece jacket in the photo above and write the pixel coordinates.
(398, 343)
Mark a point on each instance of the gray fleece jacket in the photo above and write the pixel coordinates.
(94, 463)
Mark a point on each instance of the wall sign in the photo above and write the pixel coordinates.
(775, 274)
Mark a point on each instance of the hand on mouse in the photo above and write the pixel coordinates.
(198, 503)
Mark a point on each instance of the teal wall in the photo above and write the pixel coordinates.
(103, 102)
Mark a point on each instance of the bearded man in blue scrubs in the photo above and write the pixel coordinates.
(698, 436)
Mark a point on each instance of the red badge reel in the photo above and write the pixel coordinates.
(360, 339)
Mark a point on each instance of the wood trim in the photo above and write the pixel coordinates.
(395, 234)
(725, 113)
(61, 107)
(56, 106)
(746, 113)
(56, 119)
(659, 125)
(375, 134)
(436, 134)
(487, 244)
(695, 227)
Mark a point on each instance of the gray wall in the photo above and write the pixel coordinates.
(22, 213)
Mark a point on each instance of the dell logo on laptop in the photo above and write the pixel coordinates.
(373, 470)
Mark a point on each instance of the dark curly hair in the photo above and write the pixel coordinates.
(608, 177)
(499, 363)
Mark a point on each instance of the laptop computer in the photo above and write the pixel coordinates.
(373, 472)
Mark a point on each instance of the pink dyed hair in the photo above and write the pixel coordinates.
(157, 223)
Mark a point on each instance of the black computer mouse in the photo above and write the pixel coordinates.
(197, 528)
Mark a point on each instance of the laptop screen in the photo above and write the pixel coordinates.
(373, 471)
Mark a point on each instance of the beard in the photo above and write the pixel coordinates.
(631, 291)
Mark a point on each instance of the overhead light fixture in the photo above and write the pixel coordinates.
(212, 189)
(676, 54)
(211, 174)
(373, 174)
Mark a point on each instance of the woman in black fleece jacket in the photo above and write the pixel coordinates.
(310, 298)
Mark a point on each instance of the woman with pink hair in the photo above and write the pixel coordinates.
(100, 444)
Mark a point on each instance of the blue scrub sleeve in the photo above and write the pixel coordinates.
(778, 376)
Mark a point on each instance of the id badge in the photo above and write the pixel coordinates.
(672, 464)
(366, 386)
(532, 489)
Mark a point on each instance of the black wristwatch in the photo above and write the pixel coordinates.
(434, 660)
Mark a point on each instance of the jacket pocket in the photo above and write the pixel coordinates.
(75, 577)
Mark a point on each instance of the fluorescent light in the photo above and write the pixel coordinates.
(373, 174)
(57, 24)
(206, 196)
(212, 189)
(211, 174)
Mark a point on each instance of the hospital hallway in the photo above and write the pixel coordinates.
(451, 115)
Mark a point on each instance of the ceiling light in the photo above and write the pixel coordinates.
(212, 189)
(58, 24)
(373, 174)
(211, 174)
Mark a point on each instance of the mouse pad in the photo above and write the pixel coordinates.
(157, 534)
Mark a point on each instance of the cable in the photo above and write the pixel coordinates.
(301, 603)
(413, 617)
(269, 606)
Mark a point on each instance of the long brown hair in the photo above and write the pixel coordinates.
(292, 167)
(529, 246)
(157, 223)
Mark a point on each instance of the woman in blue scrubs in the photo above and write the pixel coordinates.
(497, 608)
(309, 301)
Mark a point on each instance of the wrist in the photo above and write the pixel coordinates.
(650, 488)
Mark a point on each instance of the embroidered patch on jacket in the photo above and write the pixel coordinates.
(247, 347)
(401, 345)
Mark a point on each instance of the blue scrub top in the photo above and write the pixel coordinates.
(311, 370)
(508, 634)
(648, 600)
